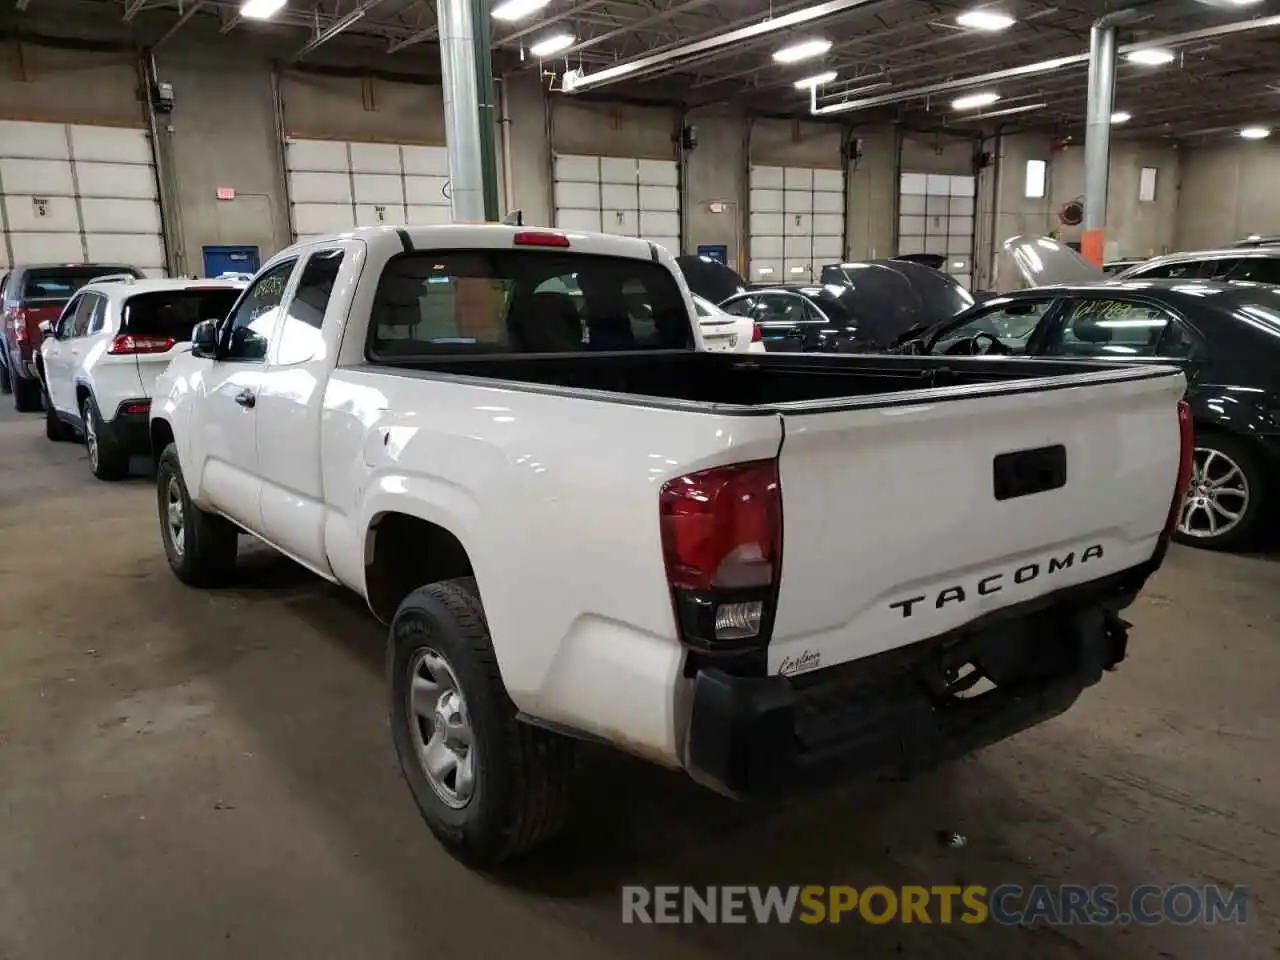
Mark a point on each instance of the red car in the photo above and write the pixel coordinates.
(29, 295)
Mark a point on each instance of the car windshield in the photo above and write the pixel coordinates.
(59, 284)
(173, 313)
(525, 301)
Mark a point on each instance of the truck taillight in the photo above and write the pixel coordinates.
(128, 343)
(20, 332)
(756, 335)
(722, 543)
(1186, 462)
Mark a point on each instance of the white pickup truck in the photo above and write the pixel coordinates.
(770, 570)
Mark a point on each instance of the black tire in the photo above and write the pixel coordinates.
(108, 460)
(26, 394)
(54, 428)
(1251, 525)
(522, 773)
(207, 555)
(4, 377)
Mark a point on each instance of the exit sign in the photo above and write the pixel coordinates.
(226, 193)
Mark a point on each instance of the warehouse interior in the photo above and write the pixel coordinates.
(208, 775)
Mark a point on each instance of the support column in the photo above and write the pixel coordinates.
(461, 109)
(1097, 138)
(486, 108)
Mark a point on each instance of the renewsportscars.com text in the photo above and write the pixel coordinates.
(1006, 905)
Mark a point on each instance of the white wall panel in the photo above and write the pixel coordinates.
(429, 216)
(936, 216)
(376, 158)
(625, 196)
(313, 218)
(322, 155)
(796, 222)
(74, 192)
(426, 191)
(307, 187)
(377, 188)
(426, 161)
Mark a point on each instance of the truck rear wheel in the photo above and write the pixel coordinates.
(200, 546)
(489, 786)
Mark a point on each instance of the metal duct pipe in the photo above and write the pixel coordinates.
(1097, 138)
(1045, 66)
(461, 109)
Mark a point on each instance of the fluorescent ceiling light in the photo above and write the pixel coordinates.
(1150, 57)
(1121, 116)
(261, 9)
(552, 45)
(985, 20)
(517, 9)
(974, 100)
(1255, 133)
(817, 80)
(805, 50)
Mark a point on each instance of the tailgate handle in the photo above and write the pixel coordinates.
(1024, 472)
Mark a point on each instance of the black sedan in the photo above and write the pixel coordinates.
(1225, 337)
(876, 303)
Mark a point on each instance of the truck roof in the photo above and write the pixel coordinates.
(485, 236)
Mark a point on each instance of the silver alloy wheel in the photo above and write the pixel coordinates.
(90, 435)
(1217, 497)
(175, 516)
(441, 728)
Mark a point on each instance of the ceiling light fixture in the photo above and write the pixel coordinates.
(552, 45)
(261, 9)
(987, 20)
(1121, 116)
(517, 9)
(974, 100)
(1255, 133)
(817, 80)
(805, 50)
(1150, 56)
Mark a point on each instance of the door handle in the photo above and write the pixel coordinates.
(246, 398)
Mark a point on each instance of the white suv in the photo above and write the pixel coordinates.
(100, 359)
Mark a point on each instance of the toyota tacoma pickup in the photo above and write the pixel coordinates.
(771, 571)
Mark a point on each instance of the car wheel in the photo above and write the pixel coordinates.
(107, 459)
(54, 428)
(4, 378)
(26, 394)
(489, 786)
(200, 546)
(1225, 501)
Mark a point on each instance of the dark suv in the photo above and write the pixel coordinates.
(29, 295)
(1259, 264)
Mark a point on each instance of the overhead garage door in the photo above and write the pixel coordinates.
(796, 223)
(935, 215)
(626, 196)
(76, 193)
(335, 185)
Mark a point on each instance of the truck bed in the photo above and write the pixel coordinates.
(753, 380)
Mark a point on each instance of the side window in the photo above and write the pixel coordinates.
(300, 334)
(1256, 269)
(1178, 270)
(250, 326)
(97, 319)
(1177, 342)
(84, 312)
(66, 319)
(782, 308)
(1109, 328)
(1011, 323)
(740, 308)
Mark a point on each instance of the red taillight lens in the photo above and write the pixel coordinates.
(756, 335)
(138, 408)
(1186, 461)
(20, 326)
(129, 343)
(722, 543)
(540, 238)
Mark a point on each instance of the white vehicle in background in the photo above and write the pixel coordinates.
(100, 359)
(723, 332)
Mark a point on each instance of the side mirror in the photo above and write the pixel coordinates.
(204, 340)
(46, 327)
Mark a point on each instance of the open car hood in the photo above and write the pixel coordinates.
(891, 298)
(709, 278)
(1040, 261)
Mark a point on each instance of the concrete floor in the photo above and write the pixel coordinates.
(190, 774)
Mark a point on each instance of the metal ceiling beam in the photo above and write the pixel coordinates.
(421, 36)
(132, 8)
(523, 32)
(1043, 66)
(183, 20)
(660, 17)
(337, 27)
(711, 45)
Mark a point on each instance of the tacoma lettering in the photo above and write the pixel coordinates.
(957, 593)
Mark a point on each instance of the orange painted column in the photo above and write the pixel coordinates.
(1092, 246)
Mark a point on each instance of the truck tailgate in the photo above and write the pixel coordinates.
(906, 519)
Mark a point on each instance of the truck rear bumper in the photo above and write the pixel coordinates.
(908, 709)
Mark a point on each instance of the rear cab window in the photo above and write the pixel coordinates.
(59, 284)
(476, 302)
(172, 314)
